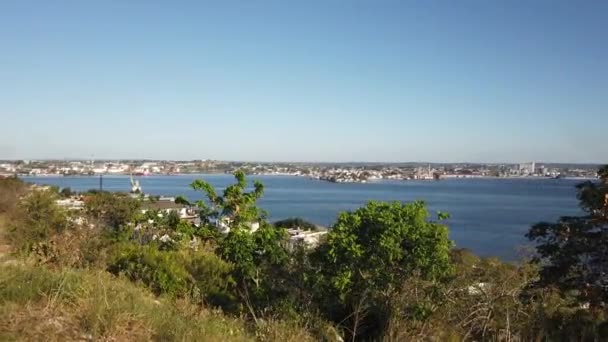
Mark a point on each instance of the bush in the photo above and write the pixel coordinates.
(113, 210)
(66, 193)
(212, 279)
(80, 247)
(160, 271)
(11, 189)
(37, 217)
(295, 223)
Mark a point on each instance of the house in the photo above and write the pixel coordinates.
(165, 207)
(304, 238)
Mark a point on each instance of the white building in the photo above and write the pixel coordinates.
(304, 238)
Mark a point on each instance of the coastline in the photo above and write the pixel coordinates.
(454, 177)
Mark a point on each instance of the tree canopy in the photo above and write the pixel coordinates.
(236, 203)
(372, 251)
(573, 251)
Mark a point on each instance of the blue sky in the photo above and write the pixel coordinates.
(330, 80)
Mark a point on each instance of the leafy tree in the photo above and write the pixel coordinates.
(236, 204)
(573, 252)
(370, 253)
(254, 255)
(114, 210)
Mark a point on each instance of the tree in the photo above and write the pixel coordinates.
(114, 210)
(370, 253)
(573, 251)
(254, 254)
(235, 204)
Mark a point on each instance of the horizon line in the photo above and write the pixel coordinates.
(302, 162)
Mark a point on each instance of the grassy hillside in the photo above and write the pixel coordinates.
(40, 304)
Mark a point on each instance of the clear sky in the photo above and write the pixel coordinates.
(333, 80)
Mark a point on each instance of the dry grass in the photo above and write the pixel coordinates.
(38, 304)
(5, 248)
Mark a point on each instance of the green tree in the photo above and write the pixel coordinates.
(573, 252)
(254, 254)
(236, 204)
(369, 254)
(114, 210)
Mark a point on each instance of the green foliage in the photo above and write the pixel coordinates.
(175, 273)
(38, 304)
(573, 250)
(211, 276)
(160, 271)
(385, 272)
(295, 222)
(171, 220)
(182, 200)
(36, 219)
(370, 253)
(253, 254)
(236, 204)
(113, 210)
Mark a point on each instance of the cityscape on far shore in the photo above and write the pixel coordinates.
(359, 172)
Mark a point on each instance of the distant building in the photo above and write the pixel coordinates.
(526, 169)
(304, 238)
(165, 207)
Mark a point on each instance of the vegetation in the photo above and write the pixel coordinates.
(387, 271)
(295, 222)
(370, 254)
(573, 251)
(11, 189)
(39, 304)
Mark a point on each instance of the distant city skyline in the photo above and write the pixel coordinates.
(314, 81)
(362, 162)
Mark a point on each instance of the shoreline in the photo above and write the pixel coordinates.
(306, 177)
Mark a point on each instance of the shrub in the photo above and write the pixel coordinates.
(37, 218)
(295, 223)
(11, 189)
(160, 271)
(113, 210)
(212, 278)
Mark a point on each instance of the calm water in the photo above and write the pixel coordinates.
(488, 216)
